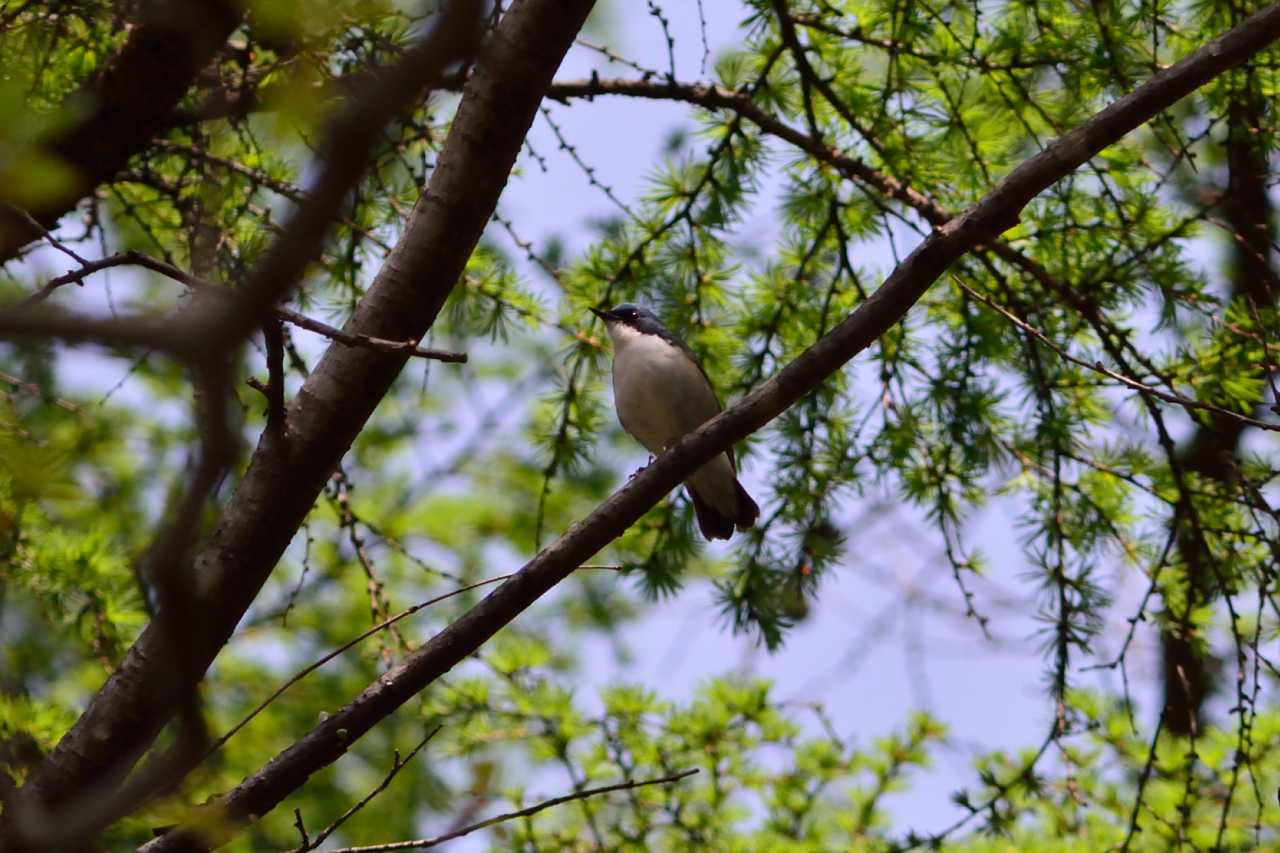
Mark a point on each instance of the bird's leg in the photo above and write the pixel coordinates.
(633, 474)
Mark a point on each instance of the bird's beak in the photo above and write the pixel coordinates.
(603, 315)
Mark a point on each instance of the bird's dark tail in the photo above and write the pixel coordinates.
(715, 524)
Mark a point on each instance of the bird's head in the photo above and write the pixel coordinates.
(627, 319)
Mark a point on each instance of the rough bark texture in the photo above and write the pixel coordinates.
(1212, 451)
(997, 212)
(129, 101)
(285, 477)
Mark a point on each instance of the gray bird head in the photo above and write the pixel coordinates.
(627, 322)
(642, 320)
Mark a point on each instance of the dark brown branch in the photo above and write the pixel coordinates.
(423, 843)
(855, 169)
(279, 488)
(357, 339)
(998, 211)
(131, 98)
(302, 828)
(36, 227)
(716, 98)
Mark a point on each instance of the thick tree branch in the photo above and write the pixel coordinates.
(281, 484)
(998, 211)
(857, 170)
(129, 100)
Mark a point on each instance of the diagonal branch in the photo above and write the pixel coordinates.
(998, 211)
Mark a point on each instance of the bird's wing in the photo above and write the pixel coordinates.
(709, 406)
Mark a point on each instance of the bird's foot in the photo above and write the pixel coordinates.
(636, 472)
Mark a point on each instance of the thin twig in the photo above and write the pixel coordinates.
(302, 829)
(1099, 367)
(35, 225)
(135, 258)
(386, 623)
(396, 766)
(422, 843)
(33, 388)
(409, 348)
(305, 671)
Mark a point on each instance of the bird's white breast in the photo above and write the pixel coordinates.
(660, 394)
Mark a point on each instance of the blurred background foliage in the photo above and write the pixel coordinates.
(1154, 263)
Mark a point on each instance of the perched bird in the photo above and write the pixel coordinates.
(661, 394)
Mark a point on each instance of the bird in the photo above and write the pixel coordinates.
(661, 394)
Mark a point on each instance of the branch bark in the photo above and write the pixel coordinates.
(284, 478)
(998, 211)
(130, 99)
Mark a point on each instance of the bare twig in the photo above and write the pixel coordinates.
(34, 389)
(302, 829)
(397, 765)
(1100, 368)
(135, 258)
(307, 670)
(355, 641)
(35, 226)
(273, 338)
(423, 843)
(409, 348)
